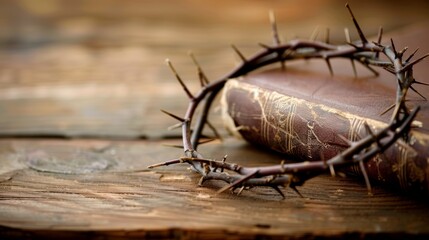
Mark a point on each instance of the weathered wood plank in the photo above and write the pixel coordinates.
(125, 198)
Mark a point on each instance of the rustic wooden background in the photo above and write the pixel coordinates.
(96, 70)
(86, 68)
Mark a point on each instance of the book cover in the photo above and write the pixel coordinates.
(304, 112)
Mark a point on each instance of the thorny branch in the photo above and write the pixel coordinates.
(295, 174)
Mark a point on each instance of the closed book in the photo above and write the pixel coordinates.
(304, 112)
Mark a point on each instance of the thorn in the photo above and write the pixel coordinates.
(174, 161)
(201, 75)
(179, 79)
(327, 40)
(380, 36)
(353, 45)
(347, 34)
(354, 68)
(332, 170)
(241, 190)
(238, 182)
(279, 191)
(412, 88)
(388, 109)
(314, 34)
(296, 190)
(377, 44)
(223, 162)
(412, 55)
(230, 186)
(282, 166)
(175, 126)
(174, 116)
(394, 48)
(389, 69)
(201, 181)
(265, 46)
(329, 66)
(401, 53)
(408, 66)
(371, 69)
(361, 35)
(239, 53)
(420, 83)
(274, 27)
(282, 63)
(365, 176)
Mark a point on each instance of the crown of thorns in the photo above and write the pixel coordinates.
(295, 174)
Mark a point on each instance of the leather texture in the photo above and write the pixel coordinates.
(301, 111)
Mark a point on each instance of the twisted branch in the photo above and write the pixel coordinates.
(295, 174)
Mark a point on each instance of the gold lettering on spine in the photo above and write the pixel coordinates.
(406, 169)
(353, 135)
(277, 118)
(285, 112)
(401, 166)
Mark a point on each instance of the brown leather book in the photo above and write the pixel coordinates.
(301, 111)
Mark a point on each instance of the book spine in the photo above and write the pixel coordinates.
(305, 130)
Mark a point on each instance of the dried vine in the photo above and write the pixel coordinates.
(295, 174)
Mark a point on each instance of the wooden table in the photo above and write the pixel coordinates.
(113, 195)
(81, 85)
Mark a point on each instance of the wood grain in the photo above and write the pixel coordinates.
(91, 69)
(96, 69)
(127, 200)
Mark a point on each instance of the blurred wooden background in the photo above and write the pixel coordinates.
(96, 69)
